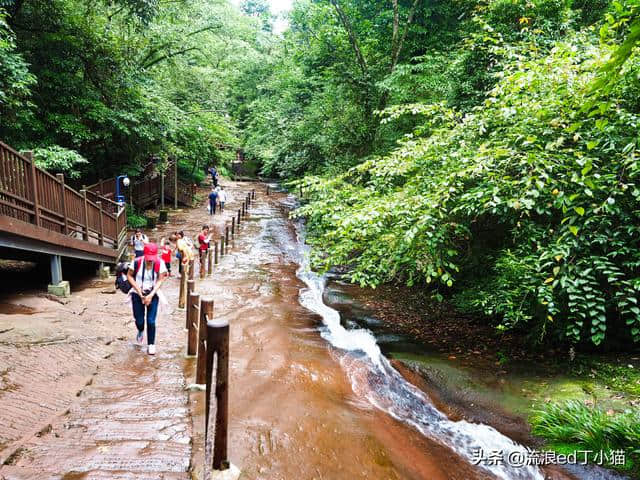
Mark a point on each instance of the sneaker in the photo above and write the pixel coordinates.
(151, 350)
(139, 338)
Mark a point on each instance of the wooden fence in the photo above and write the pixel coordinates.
(33, 195)
(146, 191)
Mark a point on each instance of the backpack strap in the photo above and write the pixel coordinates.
(139, 261)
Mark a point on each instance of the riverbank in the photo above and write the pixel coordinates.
(473, 372)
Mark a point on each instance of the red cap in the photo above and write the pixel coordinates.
(150, 252)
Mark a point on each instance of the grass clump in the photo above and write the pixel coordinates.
(577, 426)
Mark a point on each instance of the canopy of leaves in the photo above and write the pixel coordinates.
(122, 81)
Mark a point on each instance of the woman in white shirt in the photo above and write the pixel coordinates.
(146, 276)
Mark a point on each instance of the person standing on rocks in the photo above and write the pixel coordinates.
(146, 275)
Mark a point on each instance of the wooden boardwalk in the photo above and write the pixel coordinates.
(40, 213)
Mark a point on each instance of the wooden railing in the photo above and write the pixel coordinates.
(33, 195)
(146, 191)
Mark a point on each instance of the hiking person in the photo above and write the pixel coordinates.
(185, 250)
(222, 198)
(138, 241)
(204, 240)
(166, 253)
(214, 176)
(146, 275)
(213, 198)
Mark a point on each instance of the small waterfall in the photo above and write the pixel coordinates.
(372, 375)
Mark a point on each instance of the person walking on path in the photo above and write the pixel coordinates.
(138, 241)
(222, 198)
(204, 240)
(146, 276)
(213, 199)
(214, 176)
(166, 253)
(185, 251)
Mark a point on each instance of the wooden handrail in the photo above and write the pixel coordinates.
(35, 196)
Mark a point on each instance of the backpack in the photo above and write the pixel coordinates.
(122, 283)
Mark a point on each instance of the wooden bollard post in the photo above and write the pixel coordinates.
(238, 221)
(244, 210)
(182, 298)
(215, 252)
(218, 344)
(203, 265)
(191, 286)
(206, 313)
(193, 315)
(253, 194)
(192, 269)
(267, 190)
(233, 226)
(222, 246)
(210, 261)
(248, 200)
(226, 235)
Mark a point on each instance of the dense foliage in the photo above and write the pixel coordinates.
(495, 161)
(484, 149)
(118, 82)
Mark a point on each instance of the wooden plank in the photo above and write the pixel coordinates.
(86, 214)
(34, 186)
(23, 229)
(63, 203)
(101, 233)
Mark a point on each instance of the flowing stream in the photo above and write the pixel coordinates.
(372, 376)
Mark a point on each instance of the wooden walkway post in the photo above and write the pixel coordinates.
(218, 344)
(193, 314)
(63, 204)
(203, 264)
(253, 194)
(215, 252)
(210, 262)
(206, 313)
(191, 287)
(226, 235)
(233, 226)
(267, 190)
(34, 186)
(192, 269)
(85, 233)
(238, 221)
(175, 184)
(222, 246)
(101, 234)
(182, 298)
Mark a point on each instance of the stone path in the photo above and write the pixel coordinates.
(131, 421)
